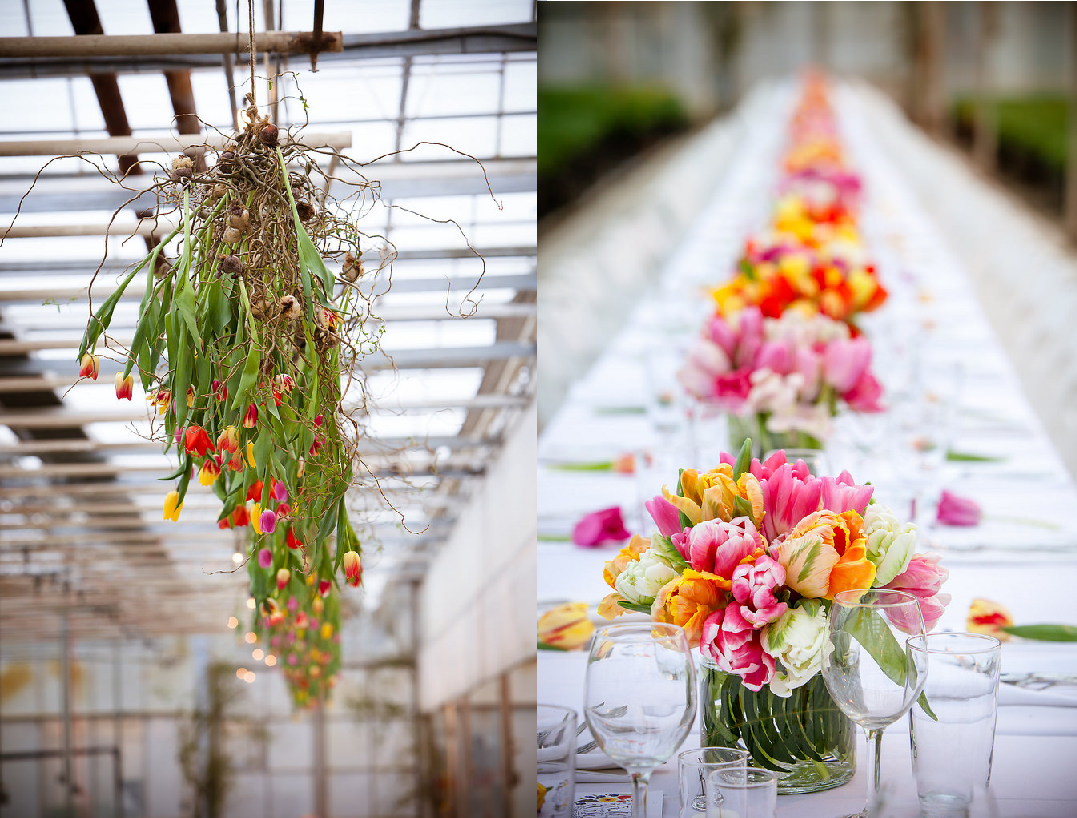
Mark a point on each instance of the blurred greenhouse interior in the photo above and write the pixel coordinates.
(131, 680)
(643, 106)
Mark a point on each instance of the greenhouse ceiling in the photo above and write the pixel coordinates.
(416, 92)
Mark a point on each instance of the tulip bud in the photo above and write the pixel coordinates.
(89, 366)
(352, 568)
(283, 575)
(124, 386)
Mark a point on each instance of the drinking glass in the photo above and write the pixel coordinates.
(640, 697)
(951, 753)
(869, 669)
(556, 731)
(746, 793)
(695, 766)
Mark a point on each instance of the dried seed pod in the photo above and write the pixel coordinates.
(289, 307)
(232, 264)
(182, 162)
(182, 175)
(353, 268)
(269, 135)
(305, 211)
(231, 236)
(226, 160)
(238, 217)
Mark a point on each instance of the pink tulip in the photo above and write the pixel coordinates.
(754, 586)
(865, 394)
(722, 335)
(790, 494)
(923, 579)
(733, 644)
(750, 330)
(665, 516)
(268, 521)
(265, 557)
(599, 527)
(842, 494)
(809, 364)
(777, 356)
(293, 603)
(717, 547)
(280, 491)
(733, 389)
(845, 362)
(955, 510)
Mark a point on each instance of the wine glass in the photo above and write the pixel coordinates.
(868, 667)
(640, 697)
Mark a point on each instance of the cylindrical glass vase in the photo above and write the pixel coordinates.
(754, 426)
(805, 738)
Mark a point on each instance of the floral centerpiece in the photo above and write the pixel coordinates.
(746, 559)
(781, 379)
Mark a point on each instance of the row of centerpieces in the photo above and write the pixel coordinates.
(782, 352)
(749, 555)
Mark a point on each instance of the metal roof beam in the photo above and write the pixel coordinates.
(90, 46)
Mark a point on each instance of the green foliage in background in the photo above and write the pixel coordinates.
(574, 121)
(1034, 124)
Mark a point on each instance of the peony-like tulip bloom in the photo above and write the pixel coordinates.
(265, 558)
(636, 546)
(923, 579)
(688, 601)
(196, 441)
(125, 387)
(824, 554)
(890, 543)
(842, 494)
(798, 641)
(228, 440)
(566, 626)
(717, 547)
(89, 366)
(283, 575)
(956, 510)
(250, 417)
(268, 521)
(642, 579)
(754, 587)
(599, 527)
(173, 506)
(208, 473)
(734, 645)
(789, 495)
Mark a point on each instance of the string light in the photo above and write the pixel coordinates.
(249, 676)
(250, 603)
(271, 659)
(257, 654)
(250, 637)
(241, 673)
(237, 558)
(233, 622)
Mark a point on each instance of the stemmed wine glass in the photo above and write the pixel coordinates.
(640, 697)
(868, 667)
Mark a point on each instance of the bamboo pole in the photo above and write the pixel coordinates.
(152, 45)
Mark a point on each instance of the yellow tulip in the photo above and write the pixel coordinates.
(566, 626)
(173, 506)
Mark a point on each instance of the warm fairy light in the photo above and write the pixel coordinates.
(233, 622)
(250, 637)
(249, 676)
(258, 654)
(271, 660)
(237, 558)
(250, 603)
(241, 672)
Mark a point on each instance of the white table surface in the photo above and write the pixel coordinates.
(1030, 568)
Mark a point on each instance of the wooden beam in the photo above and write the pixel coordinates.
(153, 45)
(152, 144)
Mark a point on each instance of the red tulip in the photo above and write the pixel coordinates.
(196, 441)
(124, 386)
(250, 419)
(90, 366)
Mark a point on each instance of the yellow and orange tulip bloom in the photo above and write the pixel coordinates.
(826, 553)
(228, 440)
(688, 600)
(566, 626)
(173, 506)
(631, 552)
(208, 473)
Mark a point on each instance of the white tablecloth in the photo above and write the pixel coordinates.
(1023, 554)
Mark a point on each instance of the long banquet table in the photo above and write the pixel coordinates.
(1022, 554)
